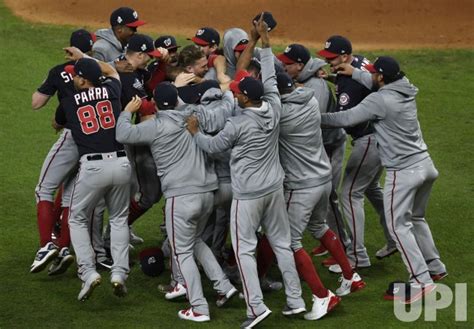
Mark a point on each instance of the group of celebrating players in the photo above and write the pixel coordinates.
(238, 141)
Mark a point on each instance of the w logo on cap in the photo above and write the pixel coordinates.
(328, 44)
(167, 42)
(143, 47)
(135, 15)
(200, 32)
(287, 50)
(119, 19)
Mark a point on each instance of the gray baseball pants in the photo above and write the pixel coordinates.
(406, 196)
(186, 217)
(270, 213)
(107, 179)
(362, 174)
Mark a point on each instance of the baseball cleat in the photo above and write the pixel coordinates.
(43, 256)
(328, 262)
(105, 264)
(407, 293)
(61, 263)
(88, 286)
(319, 251)
(352, 285)
(292, 311)
(223, 299)
(177, 291)
(118, 285)
(336, 268)
(322, 306)
(439, 276)
(253, 321)
(135, 239)
(190, 315)
(385, 251)
(268, 285)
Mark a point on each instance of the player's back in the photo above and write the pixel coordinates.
(302, 153)
(182, 166)
(91, 115)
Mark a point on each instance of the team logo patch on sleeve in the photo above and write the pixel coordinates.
(344, 99)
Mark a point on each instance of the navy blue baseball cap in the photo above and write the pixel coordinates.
(295, 53)
(143, 43)
(165, 95)
(167, 42)
(152, 261)
(206, 36)
(336, 45)
(125, 16)
(384, 65)
(268, 18)
(88, 69)
(245, 84)
(284, 81)
(192, 94)
(82, 39)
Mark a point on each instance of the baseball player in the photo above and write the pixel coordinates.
(307, 188)
(159, 69)
(208, 39)
(60, 163)
(111, 42)
(363, 168)
(104, 173)
(410, 172)
(257, 179)
(307, 71)
(188, 191)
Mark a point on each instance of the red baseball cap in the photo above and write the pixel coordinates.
(239, 76)
(336, 45)
(241, 45)
(295, 53)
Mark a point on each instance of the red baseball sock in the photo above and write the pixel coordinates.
(333, 244)
(44, 213)
(265, 256)
(134, 212)
(65, 237)
(308, 273)
(57, 205)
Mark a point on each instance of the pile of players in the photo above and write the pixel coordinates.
(231, 137)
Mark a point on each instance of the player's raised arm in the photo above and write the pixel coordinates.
(73, 53)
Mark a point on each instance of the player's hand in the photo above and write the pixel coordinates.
(322, 74)
(254, 36)
(123, 66)
(192, 124)
(165, 56)
(73, 53)
(344, 69)
(133, 105)
(184, 79)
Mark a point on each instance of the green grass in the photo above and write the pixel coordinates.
(28, 51)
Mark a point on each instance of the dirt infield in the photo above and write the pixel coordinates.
(370, 24)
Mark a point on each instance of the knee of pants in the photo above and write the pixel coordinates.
(296, 244)
(318, 230)
(44, 194)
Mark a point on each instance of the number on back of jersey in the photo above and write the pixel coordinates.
(94, 118)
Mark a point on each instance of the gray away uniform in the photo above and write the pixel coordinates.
(257, 179)
(307, 170)
(334, 142)
(213, 112)
(410, 171)
(188, 190)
